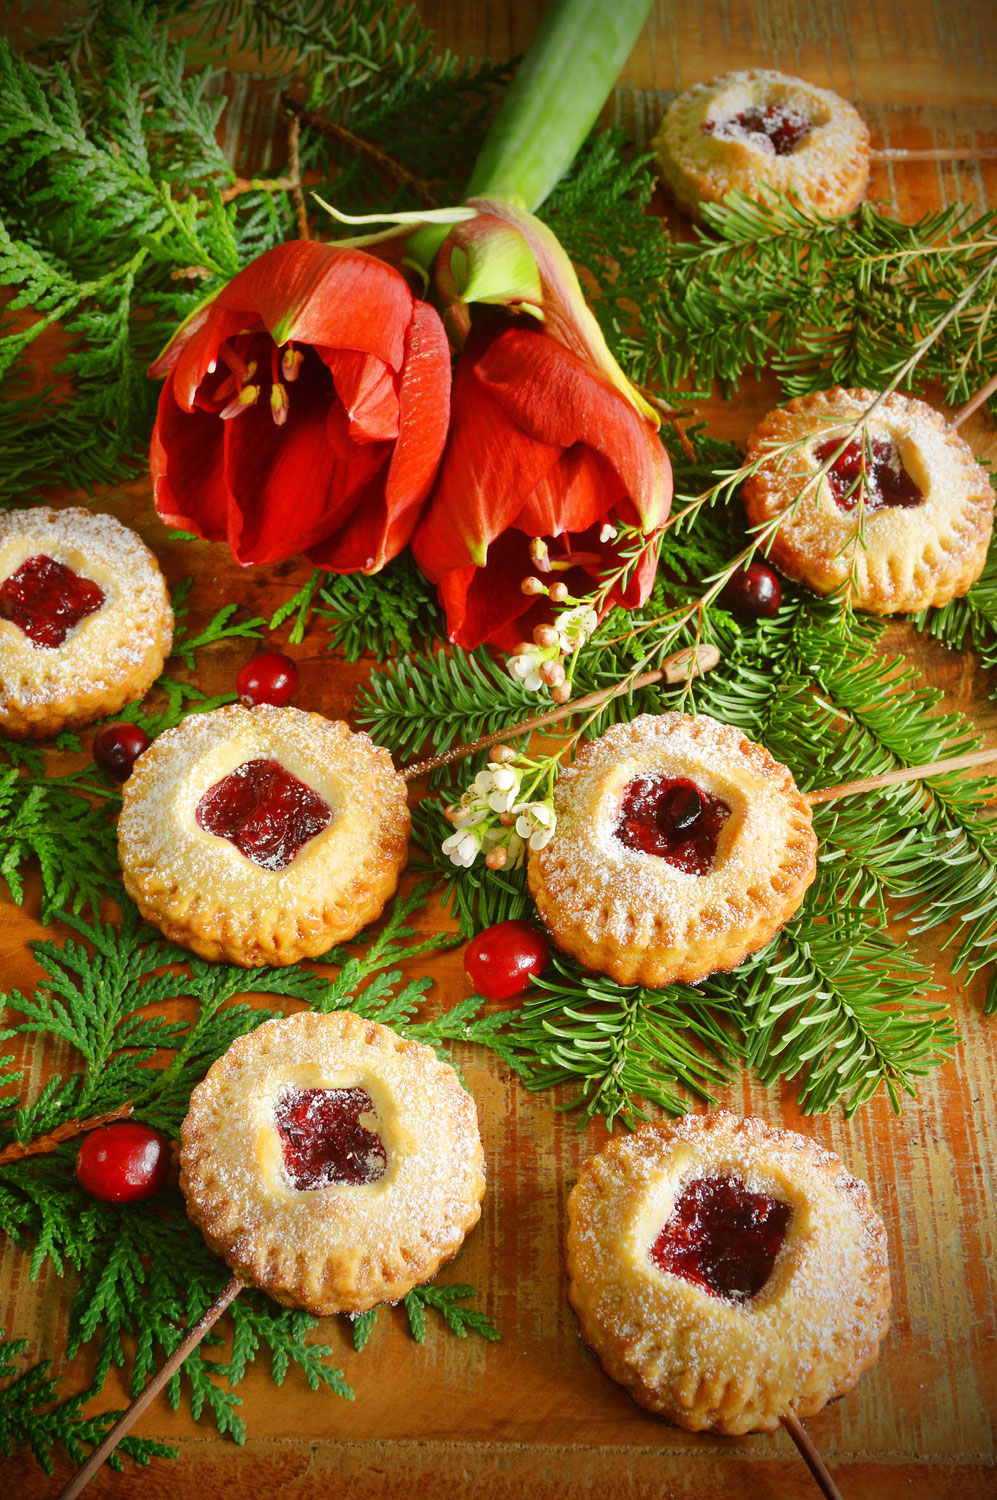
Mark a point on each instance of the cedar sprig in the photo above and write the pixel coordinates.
(31, 1412)
(448, 1301)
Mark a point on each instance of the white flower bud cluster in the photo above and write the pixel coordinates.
(490, 818)
(539, 663)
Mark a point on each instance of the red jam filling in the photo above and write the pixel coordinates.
(264, 811)
(47, 600)
(673, 818)
(887, 482)
(771, 128)
(324, 1141)
(723, 1238)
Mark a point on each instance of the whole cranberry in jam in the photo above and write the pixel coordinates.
(723, 1238)
(672, 817)
(123, 1162)
(886, 482)
(324, 1140)
(269, 678)
(502, 961)
(752, 593)
(47, 600)
(117, 747)
(773, 128)
(265, 811)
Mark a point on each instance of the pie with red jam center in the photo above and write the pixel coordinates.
(331, 1162)
(85, 619)
(894, 510)
(759, 131)
(725, 1272)
(262, 835)
(679, 848)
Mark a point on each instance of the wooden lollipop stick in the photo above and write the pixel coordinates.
(974, 401)
(126, 1421)
(674, 669)
(935, 153)
(908, 773)
(811, 1458)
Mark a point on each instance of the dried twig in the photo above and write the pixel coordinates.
(45, 1143)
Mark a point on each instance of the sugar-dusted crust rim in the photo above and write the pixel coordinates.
(906, 563)
(645, 1330)
(712, 941)
(312, 1262)
(827, 173)
(271, 922)
(43, 691)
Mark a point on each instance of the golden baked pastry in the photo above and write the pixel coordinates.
(903, 516)
(679, 848)
(725, 1272)
(758, 130)
(262, 835)
(331, 1162)
(85, 619)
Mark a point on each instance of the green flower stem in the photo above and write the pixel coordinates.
(565, 78)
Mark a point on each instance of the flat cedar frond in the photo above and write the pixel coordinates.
(31, 1412)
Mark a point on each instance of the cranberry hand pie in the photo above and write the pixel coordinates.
(725, 1272)
(902, 516)
(262, 835)
(85, 619)
(332, 1163)
(758, 130)
(679, 848)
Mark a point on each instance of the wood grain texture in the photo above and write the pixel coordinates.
(461, 1417)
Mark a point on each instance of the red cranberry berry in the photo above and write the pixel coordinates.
(501, 961)
(117, 747)
(123, 1162)
(269, 678)
(752, 593)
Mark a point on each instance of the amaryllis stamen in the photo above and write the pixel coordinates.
(234, 361)
(290, 363)
(246, 398)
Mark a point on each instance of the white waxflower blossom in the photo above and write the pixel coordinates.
(535, 823)
(575, 626)
(463, 847)
(525, 668)
(608, 532)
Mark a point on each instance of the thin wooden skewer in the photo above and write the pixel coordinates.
(935, 153)
(811, 1458)
(459, 752)
(974, 401)
(126, 1421)
(908, 773)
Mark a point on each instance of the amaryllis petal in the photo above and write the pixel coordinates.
(186, 460)
(366, 387)
(576, 492)
(553, 397)
(380, 528)
(568, 319)
(291, 485)
(489, 469)
(305, 410)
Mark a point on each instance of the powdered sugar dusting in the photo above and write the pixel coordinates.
(705, 1361)
(204, 889)
(126, 638)
(706, 151)
(638, 900)
(908, 556)
(345, 1246)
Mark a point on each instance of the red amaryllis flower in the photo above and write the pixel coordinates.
(305, 410)
(540, 446)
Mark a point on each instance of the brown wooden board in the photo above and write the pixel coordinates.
(534, 1411)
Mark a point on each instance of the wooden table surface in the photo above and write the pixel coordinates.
(469, 1418)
